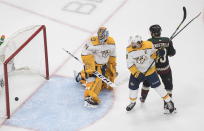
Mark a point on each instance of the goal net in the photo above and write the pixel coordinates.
(25, 66)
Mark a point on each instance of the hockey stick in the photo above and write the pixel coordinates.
(173, 34)
(96, 73)
(186, 25)
(184, 17)
(149, 67)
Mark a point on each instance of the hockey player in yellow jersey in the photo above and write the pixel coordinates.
(140, 56)
(97, 55)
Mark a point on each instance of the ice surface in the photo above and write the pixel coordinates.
(123, 18)
(58, 105)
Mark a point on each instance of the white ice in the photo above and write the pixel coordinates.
(123, 18)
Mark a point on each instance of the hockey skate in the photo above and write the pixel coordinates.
(90, 103)
(77, 76)
(130, 106)
(169, 107)
(144, 93)
(142, 100)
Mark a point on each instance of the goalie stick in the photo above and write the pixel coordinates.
(96, 73)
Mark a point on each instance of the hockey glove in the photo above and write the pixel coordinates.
(134, 71)
(160, 52)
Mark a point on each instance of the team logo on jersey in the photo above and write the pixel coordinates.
(141, 59)
(105, 53)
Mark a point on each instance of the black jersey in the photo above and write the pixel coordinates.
(165, 44)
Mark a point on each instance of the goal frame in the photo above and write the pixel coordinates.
(6, 83)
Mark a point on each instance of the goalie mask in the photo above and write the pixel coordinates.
(155, 30)
(135, 41)
(102, 34)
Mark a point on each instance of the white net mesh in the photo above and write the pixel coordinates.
(26, 68)
(32, 55)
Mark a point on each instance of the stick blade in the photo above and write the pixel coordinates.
(184, 13)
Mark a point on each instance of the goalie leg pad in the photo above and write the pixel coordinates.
(93, 89)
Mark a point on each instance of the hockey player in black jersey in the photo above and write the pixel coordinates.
(165, 50)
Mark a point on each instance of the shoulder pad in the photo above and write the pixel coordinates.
(94, 40)
(110, 40)
(148, 44)
(150, 39)
(129, 49)
(167, 38)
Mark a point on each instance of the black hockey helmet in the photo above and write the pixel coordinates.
(155, 30)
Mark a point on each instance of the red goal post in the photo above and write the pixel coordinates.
(37, 30)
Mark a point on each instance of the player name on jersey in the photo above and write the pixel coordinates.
(158, 45)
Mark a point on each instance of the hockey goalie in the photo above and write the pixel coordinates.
(97, 55)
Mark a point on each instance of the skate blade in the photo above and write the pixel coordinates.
(87, 105)
(166, 112)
